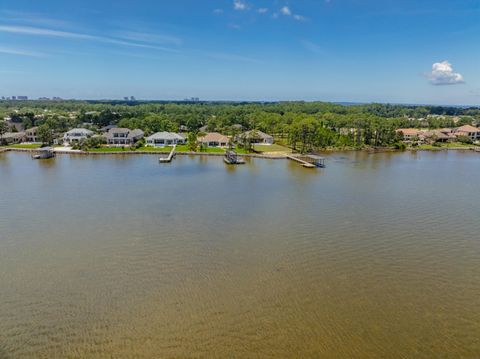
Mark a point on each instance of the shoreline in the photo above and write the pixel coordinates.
(249, 155)
(99, 153)
(252, 155)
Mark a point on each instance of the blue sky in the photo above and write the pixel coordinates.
(338, 50)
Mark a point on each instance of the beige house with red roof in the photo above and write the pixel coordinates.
(468, 131)
(410, 134)
(214, 139)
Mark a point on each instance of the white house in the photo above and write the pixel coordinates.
(255, 137)
(161, 139)
(123, 136)
(77, 134)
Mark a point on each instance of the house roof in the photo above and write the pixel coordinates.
(256, 134)
(165, 136)
(445, 130)
(82, 131)
(130, 133)
(13, 135)
(467, 128)
(118, 130)
(409, 131)
(108, 128)
(214, 137)
(437, 133)
(33, 129)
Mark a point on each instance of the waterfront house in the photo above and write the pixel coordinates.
(410, 134)
(255, 137)
(10, 138)
(437, 136)
(468, 131)
(76, 135)
(214, 139)
(32, 134)
(123, 136)
(161, 139)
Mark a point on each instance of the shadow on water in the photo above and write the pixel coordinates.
(3, 158)
(46, 163)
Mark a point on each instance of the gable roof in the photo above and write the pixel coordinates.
(82, 131)
(8, 135)
(467, 128)
(31, 130)
(256, 134)
(409, 131)
(130, 133)
(214, 137)
(165, 136)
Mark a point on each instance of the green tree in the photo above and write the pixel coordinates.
(45, 134)
(192, 141)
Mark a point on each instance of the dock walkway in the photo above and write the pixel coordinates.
(169, 157)
(308, 161)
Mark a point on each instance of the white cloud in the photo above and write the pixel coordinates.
(27, 30)
(443, 74)
(150, 37)
(20, 52)
(218, 11)
(286, 11)
(262, 10)
(35, 31)
(299, 17)
(313, 47)
(240, 5)
(32, 18)
(232, 57)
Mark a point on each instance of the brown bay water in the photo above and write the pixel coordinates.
(376, 256)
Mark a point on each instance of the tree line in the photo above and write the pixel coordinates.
(302, 125)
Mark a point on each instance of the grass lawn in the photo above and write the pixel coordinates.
(155, 149)
(272, 148)
(25, 145)
(109, 149)
(445, 145)
(184, 148)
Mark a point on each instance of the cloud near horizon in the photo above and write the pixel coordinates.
(443, 74)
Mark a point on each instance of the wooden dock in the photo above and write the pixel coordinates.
(170, 156)
(308, 161)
